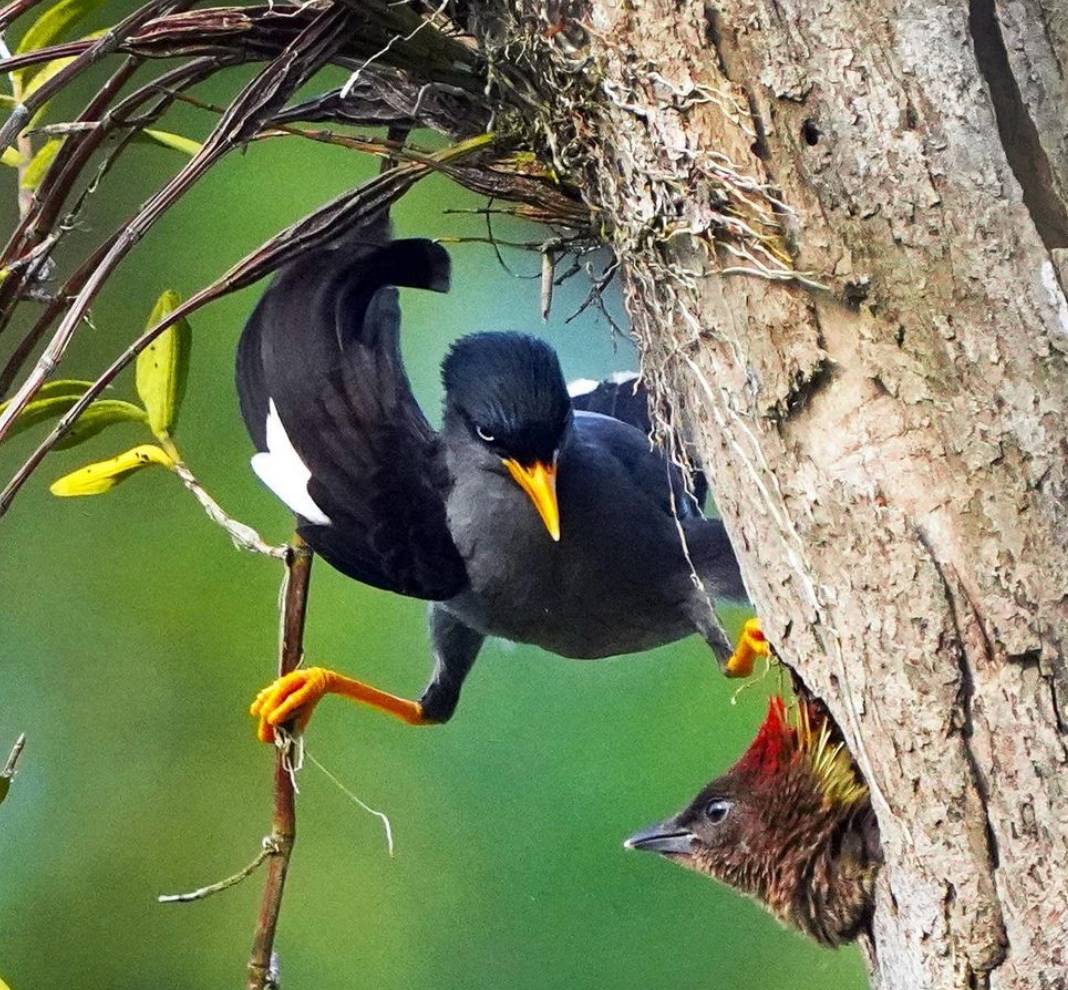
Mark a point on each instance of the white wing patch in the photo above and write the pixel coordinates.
(581, 386)
(282, 470)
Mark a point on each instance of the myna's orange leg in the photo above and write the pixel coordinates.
(751, 644)
(294, 697)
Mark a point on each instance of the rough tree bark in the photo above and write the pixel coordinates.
(888, 434)
(890, 453)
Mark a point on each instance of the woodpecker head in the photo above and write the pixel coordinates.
(790, 824)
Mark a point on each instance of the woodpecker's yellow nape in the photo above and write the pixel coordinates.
(751, 644)
(830, 762)
(802, 733)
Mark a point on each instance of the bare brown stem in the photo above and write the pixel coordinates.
(16, 8)
(105, 45)
(24, 147)
(264, 95)
(284, 821)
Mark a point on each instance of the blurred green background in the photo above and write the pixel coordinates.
(133, 637)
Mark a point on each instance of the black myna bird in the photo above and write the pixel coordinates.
(526, 517)
(790, 824)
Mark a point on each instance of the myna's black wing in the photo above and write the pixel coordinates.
(624, 396)
(328, 404)
(648, 471)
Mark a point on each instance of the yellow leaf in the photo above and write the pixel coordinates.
(39, 164)
(101, 477)
(176, 142)
(54, 23)
(162, 367)
(11, 158)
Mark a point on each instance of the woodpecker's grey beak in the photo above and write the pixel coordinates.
(666, 838)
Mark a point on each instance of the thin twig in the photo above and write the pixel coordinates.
(548, 266)
(596, 293)
(47, 204)
(109, 42)
(260, 98)
(24, 145)
(284, 821)
(13, 756)
(52, 195)
(15, 9)
(268, 848)
(244, 537)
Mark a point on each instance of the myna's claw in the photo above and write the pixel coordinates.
(751, 644)
(294, 695)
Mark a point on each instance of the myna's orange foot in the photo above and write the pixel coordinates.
(292, 696)
(752, 643)
(295, 695)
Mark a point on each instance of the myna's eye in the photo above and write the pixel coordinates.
(717, 809)
(483, 435)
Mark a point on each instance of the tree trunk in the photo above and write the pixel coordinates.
(890, 451)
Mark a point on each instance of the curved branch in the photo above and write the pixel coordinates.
(262, 97)
(23, 113)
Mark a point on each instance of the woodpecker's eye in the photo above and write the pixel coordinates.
(483, 435)
(717, 809)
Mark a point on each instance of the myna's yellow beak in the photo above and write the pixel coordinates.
(539, 482)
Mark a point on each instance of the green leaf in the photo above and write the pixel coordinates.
(102, 476)
(101, 414)
(35, 171)
(173, 141)
(61, 386)
(163, 366)
(40, 411)
(54, 23)
(11, 158)
(52, 401)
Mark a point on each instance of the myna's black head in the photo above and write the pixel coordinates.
(510, 391)
(789, 824)
(508, 394)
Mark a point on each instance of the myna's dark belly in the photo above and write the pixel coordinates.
(616, 582)
(579, 634)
